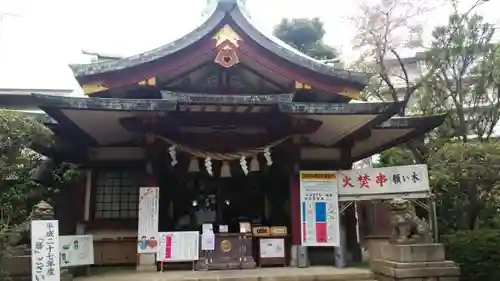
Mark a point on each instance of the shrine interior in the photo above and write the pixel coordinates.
(189, 199)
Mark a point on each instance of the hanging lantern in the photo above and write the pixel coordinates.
(173, 156)
(243, 164)
(194, 166)
(254, 164)
(225, 171)
(267, 155)
(208, 166)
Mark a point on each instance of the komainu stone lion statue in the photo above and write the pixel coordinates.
(20, 235)
(407, 228)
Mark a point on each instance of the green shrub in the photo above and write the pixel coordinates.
(477, 252)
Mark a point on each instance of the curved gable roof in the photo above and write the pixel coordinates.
(233, 10)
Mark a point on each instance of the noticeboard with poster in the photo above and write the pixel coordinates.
(76, 250)
(180, 246)
(272, 248)
(272, 251)
(319, 207)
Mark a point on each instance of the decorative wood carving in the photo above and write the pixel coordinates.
(227, 41)
(227, 34)
(227, 58)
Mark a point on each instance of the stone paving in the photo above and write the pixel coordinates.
(261, 274)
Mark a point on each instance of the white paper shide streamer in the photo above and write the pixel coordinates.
(267, 155)
(173, 156)
(208, 165)
(243, 164)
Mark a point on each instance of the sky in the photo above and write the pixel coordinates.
(38, 38)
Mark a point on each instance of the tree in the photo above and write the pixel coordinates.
(19, 186)
(395, 156)
(465, 84)
(17, 163)
(384, 30)
(465, 179)
(305, 35)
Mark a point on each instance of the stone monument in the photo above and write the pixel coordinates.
(411, 254)
(17, 263)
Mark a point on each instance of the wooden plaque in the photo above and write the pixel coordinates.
(278, 231)
(261, 231)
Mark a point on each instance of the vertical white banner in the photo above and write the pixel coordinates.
(147, 234)
(45, 250)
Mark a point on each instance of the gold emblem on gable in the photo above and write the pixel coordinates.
(226, 33)
(225, 246)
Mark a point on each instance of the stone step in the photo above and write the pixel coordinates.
(261, 274)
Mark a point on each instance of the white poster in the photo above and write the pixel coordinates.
(45, 250)
(208, 241)
(178, 246)
(148, 220)
(383, 183)
(76, 250)
(272, 248)
(319, 208)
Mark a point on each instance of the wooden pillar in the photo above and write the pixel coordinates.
(349, 216)
(295, 220)
(151, 179)
(295, 209)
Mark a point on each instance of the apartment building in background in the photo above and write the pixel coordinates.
(416, 67)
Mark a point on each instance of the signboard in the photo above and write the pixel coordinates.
(319, 208)
(207, 242)
(45, 250)
(384, 183)
(272, 248)
(178, 246)
(76, 250)
(148, 220)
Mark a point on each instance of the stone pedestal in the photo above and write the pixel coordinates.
(419, 262)
(374, 245)
(17, 263)
(18, 268)
(147, 263)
